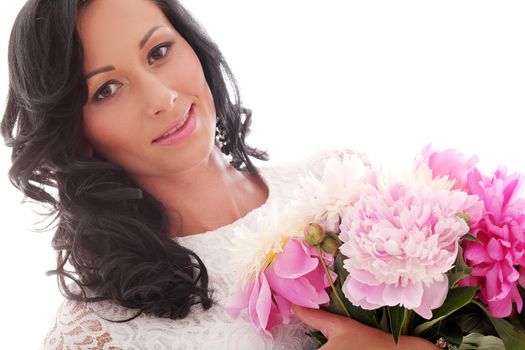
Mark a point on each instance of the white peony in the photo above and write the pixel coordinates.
(253, 250)
(340, 185)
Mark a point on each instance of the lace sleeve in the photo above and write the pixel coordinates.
(76, 327)
(315, 163)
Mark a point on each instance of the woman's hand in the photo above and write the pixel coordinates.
(345, 333)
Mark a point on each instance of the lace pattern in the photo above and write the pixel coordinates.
(79, 326)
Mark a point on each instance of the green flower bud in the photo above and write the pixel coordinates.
(330, 245)
(313, 234)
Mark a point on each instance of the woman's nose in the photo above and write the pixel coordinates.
(159, 97)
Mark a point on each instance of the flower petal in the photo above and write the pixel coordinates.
(285, 308)
(522, 277)
(293, 261)
(476, 253)
(264, 302)
(239, 300)
(434, 296)
(274, 319)
(495, 250)
(360, 294)
(501, 308)
(298, 291)
(252, 304)
(408, 296)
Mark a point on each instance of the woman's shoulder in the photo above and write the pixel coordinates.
(76, 325)
(81, 325)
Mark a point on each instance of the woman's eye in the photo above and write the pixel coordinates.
(106, 91)
(159, 51)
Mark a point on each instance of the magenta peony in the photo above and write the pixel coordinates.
(499, 259)
(449, 163)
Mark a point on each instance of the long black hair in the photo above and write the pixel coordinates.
(113, 234)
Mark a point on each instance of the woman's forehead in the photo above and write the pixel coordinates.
(107, 28)
(132, 10)
(110, 21)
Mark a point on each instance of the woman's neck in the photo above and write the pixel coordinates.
(208, 196)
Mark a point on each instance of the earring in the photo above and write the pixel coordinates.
(220, 136)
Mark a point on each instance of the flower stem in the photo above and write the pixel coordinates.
(337, 296)
(406, 321)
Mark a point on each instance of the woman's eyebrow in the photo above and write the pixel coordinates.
(147, 35)
(141, 45)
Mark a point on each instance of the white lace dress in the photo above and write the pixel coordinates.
(77, 326)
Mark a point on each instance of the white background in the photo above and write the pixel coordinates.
(383, 77)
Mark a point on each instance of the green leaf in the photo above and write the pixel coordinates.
(383, 324)
(339, 268)
(513, 338)
(431, 332)
(334, 306)
(364, 316)
(459, 271)
(396, 315)
(470, 237)
(476, 341)
(474, 322)
(518, 318)
(335, 236)
(456, 299)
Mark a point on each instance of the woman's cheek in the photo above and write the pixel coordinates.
(108, 134)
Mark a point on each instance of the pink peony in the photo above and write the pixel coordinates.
(450, 163)
(499, 260)
(400, 241)
(294, 276)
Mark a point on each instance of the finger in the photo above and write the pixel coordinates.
(326, 322)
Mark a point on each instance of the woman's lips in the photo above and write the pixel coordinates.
(182, 133)
(172, 126)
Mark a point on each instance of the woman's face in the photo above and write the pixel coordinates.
(155, 78)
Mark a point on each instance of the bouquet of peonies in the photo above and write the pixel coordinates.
(438, 252)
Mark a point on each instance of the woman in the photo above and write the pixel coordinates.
(116, 104)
